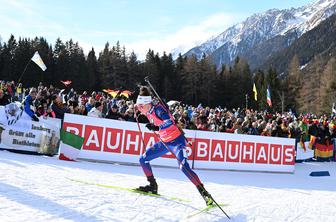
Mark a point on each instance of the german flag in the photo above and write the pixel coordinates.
(324, 150)
(126, 93)
(112, 92)
(66, 83)
(312, 142)
(303, 145)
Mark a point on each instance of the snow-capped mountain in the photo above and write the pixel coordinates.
(287, 25)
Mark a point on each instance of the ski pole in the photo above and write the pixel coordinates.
(181, 164)
(156, 94)
(164, 104)
(137, 120)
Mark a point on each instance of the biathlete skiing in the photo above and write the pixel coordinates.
(171, 138)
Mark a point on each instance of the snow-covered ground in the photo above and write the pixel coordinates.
(38, 188)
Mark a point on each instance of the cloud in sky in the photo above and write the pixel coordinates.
(181, 40)
(30, 19)
(185, 38)
(25, 19)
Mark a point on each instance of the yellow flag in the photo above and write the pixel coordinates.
(255, 92)
(38, 60)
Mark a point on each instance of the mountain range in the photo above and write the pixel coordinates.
(262, 36)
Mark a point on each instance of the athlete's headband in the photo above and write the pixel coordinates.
(144, 99)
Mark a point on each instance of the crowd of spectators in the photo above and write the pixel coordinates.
(53, 102)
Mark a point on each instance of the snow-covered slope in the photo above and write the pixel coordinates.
(261, 27)
(38, 188)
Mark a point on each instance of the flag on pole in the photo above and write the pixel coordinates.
(38, 60)
(302, 143)
(126, 93)
(324, 150)
(112, 92)
(71, 145)
(312, 142)
(269, 101)
(255, 92)
(66, 83)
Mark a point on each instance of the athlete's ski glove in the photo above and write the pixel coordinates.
(152, 127)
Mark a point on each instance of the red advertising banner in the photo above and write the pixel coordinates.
(120, 141)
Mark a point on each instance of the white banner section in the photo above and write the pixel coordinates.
(243, 152)
(19, 132)
(303, 154)
(120, 141)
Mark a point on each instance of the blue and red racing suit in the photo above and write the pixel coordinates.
(172, 137)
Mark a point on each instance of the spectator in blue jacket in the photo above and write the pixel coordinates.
(28, 104)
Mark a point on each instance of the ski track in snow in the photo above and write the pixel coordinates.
(38, 188)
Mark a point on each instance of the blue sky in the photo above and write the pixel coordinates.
(138, 25)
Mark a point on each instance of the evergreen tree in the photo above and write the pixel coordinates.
(261, 84)
(105, 67)
(228, 87)
(168, 76)
(294, 84)
(123, 70)
(191, 81)
(314, 95)
(119, 67)
(61, 61)
(23, 54)
(78, 69)
(273, 82)
(136, 75)
(246, 80)
(239, 83)
(8, 59)
(94, 78)
(178, 83)
(206, 78)
(219, 86)
(328, 86)
(152, 69)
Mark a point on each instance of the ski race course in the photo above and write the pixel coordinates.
(42, 188)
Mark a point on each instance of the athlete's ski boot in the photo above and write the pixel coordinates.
(206, 196)
(151, 188)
